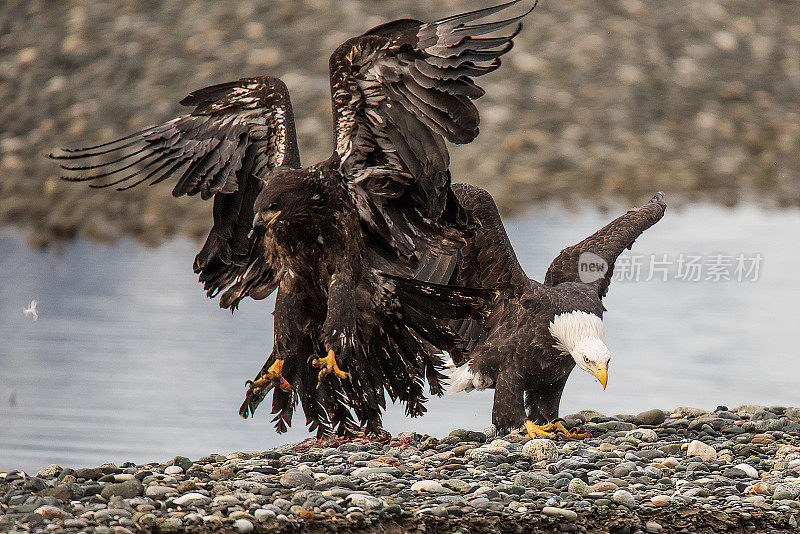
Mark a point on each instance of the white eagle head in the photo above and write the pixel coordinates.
(580, 334)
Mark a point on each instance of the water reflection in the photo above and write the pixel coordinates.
(130, 361)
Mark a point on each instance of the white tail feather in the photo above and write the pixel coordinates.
(464, 379)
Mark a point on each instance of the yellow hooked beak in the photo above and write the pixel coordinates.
(602, 374)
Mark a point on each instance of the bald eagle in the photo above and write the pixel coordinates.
(536, 333)
(339, 240)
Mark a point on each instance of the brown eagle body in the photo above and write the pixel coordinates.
(536, 332)
(339, 241)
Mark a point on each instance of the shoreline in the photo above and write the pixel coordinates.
(681, 471)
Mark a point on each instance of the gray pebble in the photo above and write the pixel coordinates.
(624, 498)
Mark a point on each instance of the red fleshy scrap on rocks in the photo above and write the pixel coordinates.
(333, 440)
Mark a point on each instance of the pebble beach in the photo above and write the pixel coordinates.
(688, 470)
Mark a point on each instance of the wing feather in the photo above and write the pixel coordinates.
(236, 132)
(399, 91)
(608, 243)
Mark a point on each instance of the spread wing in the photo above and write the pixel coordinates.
(608, 243)
(399, 91)
(236, 132)
(486, 261)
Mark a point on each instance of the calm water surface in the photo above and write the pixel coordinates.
(130, 361)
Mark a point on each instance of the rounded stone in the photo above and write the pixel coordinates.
(540, 450)
(264, 515)
(183, 462)
(645, 434)
(578, 487)
(553, 511)
(652, 417)
(748, 469)
(432, 486)
(529, 480)
(604, 486)
(50, 512)
(367, 502)
(660, 500)
(159, 492)
(653, 527)
(624, 498)
(294, 478)
(127, 490)
(698, 448)
(243, 525)
(192, 499)
(50, 471)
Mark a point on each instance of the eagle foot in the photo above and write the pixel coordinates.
(558, 426)
(551, 430)
(328, 365)
(537, 431)
(273, 374)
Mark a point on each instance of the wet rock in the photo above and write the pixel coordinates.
(126, 490)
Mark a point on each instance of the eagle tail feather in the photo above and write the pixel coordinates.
(462, 379)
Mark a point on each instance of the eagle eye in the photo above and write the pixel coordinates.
(586, 359)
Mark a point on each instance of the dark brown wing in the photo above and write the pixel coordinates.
(399, 91)
(608, 243)
(223, 148)
(486, 261)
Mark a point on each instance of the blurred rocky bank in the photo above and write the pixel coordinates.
(599, 100)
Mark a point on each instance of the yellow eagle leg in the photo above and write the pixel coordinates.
(273, 374)
(328, 365)
(536, 431)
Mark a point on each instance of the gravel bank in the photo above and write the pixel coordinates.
(597, 100)
(685, 471)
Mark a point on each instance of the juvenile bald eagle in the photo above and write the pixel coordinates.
(536, 333)
(340, 239)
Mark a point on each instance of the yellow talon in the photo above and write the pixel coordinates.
(537, 431)
(273, 374)
(559, 427)
(329, 365)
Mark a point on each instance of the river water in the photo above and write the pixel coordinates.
(129, 361)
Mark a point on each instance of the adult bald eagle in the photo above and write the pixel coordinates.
(340, 239)
(536, 333)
